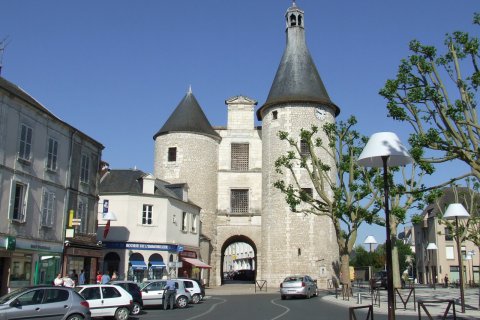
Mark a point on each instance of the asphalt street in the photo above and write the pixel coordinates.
(258, 307)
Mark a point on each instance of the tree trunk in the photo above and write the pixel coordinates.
(345, 269)
(395, 263)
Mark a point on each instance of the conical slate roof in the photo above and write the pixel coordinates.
(297, 78)
(188, 117)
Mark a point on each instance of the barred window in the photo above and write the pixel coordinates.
(240, 156)
(304, 151)
(239, 201)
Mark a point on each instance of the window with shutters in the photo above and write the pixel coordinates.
(18, 207)
(82, 215)
(239, 201)
(84, 169)
(52, 153)
(240, 155)
(25, 143)
(48, 208)
(147, 214)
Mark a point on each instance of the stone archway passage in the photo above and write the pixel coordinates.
(238, 260)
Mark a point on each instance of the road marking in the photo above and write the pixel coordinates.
(209, 310)
(282, 314)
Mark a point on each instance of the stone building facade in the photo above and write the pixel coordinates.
(231, 170)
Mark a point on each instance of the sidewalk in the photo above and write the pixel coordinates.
(421, 293)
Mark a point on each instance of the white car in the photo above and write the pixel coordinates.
(153, 291)
(193, 287)
(107, 300)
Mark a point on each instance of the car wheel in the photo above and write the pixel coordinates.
(121, 314)
(283, 297)
(136, 308)
(196, 298)
(75, 317)
(182, 302)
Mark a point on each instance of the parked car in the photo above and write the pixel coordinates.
(44, 302)
(298, 286)
(132, 288)
(194, 287)
(107, 300)
(153, 292)
(379, 280)
(244, 275)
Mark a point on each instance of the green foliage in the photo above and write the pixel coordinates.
(436, 94)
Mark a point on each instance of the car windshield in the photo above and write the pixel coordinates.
(10, 295)
(292, 279)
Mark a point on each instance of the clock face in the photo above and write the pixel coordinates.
(320, 113)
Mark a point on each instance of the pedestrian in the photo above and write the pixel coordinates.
(99, 277)
(68, 282)
(58, 281)
(169, 294)
(75, 276)
(105, 278)
(445, 280)
(81, 277)
(114, 276)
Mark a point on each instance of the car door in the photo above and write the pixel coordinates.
(112, 299)
(152, 294)
(27, 306)
(56, 303)
(94, 298)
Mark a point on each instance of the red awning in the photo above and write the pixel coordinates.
(197, 263)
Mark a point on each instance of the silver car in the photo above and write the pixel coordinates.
(298, 286)
(44, 302)
(153, 291)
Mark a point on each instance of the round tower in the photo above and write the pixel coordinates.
(293, 243)
(186, 151)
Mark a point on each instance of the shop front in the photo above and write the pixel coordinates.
(82, 252)
(144, 261)
(191, 266)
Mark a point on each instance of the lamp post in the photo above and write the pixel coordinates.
(370, 240)
(384, 149)
(432, 246)
(457, 211)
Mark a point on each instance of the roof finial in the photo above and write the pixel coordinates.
(189, 89)
(294, 4)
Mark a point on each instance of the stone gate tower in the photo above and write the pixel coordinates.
(186, 151)
(293, 243)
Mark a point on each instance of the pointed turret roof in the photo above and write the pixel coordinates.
(297, 78)
(188, 116)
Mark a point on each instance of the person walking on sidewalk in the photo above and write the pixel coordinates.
(169, 294)
(445, 280)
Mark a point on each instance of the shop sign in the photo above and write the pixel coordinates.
(188, 254)
(10, 243)
(38, 245)
(140, 246)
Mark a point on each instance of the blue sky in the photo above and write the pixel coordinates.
(117, 69)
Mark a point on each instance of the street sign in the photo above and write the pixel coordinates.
(75, 223)
(76, 220)
(179, 248)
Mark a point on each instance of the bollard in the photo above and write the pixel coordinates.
(359, 298)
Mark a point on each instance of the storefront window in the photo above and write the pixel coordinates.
(47, 269)
(21, 269)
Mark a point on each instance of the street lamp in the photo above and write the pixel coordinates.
(432, 246)
(370, 240)
(384, 149)
(457, 211)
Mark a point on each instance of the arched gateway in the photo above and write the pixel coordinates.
(238, 259)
